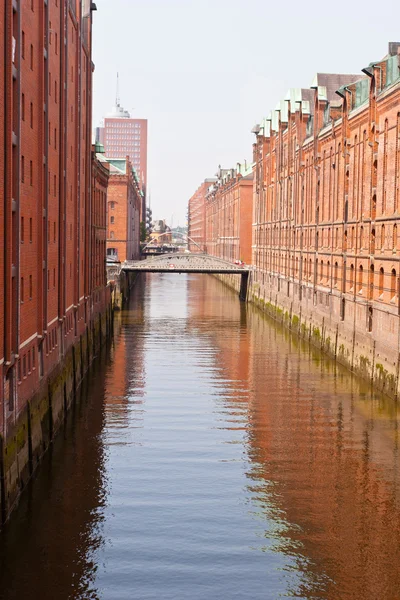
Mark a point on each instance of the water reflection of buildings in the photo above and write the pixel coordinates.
(58, 527)
(324, 453)
(57, 530)
(126, 378)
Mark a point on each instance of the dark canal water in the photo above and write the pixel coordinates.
(211, 456)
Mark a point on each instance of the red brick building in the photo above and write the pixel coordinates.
(220, 215)
(124, 205)
(97, 251)
(327, 211)
(228, 215)
(197, 217)
(52, 211)
(125, 136)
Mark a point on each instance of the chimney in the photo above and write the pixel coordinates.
(394, 48)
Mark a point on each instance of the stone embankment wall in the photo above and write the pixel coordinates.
(44, 413)
(342, 334)
(338, 328)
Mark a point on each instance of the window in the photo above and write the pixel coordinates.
(30, 287)
(31, 115)
(351, 278)
(55, 91)
(381, 282)
(23, 107)
(393, 293)
(112, 205)
(22, 290)
(49, 83)
(55, 185)
(55, 138)
(32, 5)
(360, 279)
(31, 173)
(54, 278)
(112, 220)
(30, 230)
(22, 169)
(48, 279)
(54, 232)
(22, 230)
(31, 57)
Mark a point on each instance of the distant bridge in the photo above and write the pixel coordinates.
(190, 263)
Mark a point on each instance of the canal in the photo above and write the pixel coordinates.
(211, 455)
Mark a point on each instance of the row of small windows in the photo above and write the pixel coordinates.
(122, 126)
(26, 364)
(22, 289)
(125, 137)
(23, 170)
(22, 233)
(326, 237)
(23, 110)
(326, 276)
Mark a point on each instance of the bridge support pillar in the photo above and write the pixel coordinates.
(244, 282)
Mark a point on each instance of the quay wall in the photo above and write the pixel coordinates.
(44, 412)
(337, 329)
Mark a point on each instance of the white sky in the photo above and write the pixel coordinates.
(204, 72)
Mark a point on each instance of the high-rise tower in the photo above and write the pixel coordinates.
(124, 136)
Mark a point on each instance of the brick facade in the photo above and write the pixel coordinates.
(52, 203)
(220, 215)
(228, 216)
(197, 217)
(326, 212)
(124, 208)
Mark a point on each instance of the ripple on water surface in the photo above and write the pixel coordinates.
(212, 455)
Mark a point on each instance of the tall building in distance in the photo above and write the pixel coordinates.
(124, 136)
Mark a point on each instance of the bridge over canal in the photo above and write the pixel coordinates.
(190, 263)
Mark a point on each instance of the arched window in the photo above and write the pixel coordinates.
(360, 279)
(335, 275)
(393, 285)
(381, 282)
(321, 271)
(371, 282)
(394, 237)
(351, 286)
(328, 272)
(112, 235)
(361, 236)
(373, 241)
(382, 237)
